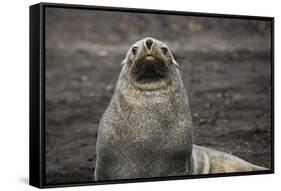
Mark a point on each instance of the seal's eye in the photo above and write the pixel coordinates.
(135, 50)
(164, 50)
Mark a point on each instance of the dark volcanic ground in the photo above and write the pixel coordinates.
(225, 64)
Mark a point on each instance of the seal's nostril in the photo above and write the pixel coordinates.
(148, 43)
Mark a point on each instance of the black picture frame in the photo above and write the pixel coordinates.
(37, 137)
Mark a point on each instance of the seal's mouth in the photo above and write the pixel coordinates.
(149, 68)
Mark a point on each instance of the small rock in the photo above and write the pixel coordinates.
(225, 120)
(226, 94)
(227, 101)
(84, 78)
(109, 87)
(202, 121)
(74, 83)
(102, 53)
(195, 115)
(193, 25)
(219, 95)
(208, 105)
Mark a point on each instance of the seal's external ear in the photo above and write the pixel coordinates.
(176, 64)
(124, 62)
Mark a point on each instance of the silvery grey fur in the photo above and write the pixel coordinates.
(146, 131)
(209, 161)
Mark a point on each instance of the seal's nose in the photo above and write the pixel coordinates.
(148, 43)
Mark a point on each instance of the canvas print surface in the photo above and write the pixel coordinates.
(143, 95)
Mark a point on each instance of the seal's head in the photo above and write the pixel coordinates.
(149, 64)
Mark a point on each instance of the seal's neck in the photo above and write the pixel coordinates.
(138, 96)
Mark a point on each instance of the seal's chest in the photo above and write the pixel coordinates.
(151, 138)
(139, 135)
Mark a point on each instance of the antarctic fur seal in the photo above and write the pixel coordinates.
(146, 131)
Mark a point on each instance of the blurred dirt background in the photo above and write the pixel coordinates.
(225, 64)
